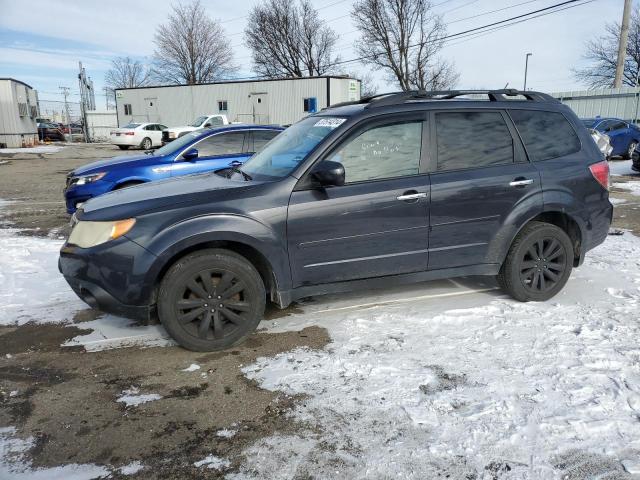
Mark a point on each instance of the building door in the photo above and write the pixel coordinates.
(260, 105)
(151, 107)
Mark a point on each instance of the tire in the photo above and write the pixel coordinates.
(526, 275)
(146, 143)
(184, 300)
(632, 147)
(123, 147)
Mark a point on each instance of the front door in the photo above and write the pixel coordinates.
(260, 105)
(377, 223)
(480, 175)
(222, 150)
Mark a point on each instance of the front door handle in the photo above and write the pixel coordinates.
(521, 182)
(412, 196)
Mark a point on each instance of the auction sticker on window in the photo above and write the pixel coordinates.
(330, 122)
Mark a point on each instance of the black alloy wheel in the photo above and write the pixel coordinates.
(211, 300)
(538, 264)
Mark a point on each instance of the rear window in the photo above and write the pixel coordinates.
(132, 125)
(546, 135)
(472, 139)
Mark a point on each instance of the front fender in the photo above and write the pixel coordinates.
(183, 236)
(134, 178)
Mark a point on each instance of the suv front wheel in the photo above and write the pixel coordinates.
(211, 300)
(538, 264)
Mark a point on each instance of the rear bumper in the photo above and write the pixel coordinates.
(129, 140)
(597, 229)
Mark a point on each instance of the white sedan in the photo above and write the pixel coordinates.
(143, 135)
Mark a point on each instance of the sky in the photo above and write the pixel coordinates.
(42, 41)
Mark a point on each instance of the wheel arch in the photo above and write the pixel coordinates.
(133, 180)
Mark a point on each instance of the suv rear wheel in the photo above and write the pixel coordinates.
(211, 299)
(538, 264)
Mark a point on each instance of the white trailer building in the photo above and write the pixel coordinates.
(252, 101)
(18, 113)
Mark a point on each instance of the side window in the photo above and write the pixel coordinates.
(382, 152)
(472, 139)
(229, 143)
(214, 122)
(150, 127)
(262, 137)
(617, 125)
(162, 127)
(546, 135)
(223, 106)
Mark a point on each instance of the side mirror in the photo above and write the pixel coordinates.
(328, 174)
(190, 155)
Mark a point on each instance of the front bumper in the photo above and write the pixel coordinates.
(110, 277)
(81, 193)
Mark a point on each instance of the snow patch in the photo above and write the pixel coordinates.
(131, 397)
(14, 466)
(467, 385)
(617, 201)
(131, 469)
(213, 462)
(40, 149)
(632, 187)
(192, 368)
(226, 433)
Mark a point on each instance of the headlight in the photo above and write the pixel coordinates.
(90, 234)
(84, 179)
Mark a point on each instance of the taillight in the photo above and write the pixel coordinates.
(600, 172)
(113, 132)
(129, 133)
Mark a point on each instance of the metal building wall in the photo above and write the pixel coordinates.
(100, 124)
(266, 102)
(17, 130)
(621, 103)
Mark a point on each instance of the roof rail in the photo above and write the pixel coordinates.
(395, 98)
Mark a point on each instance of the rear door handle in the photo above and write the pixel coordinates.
(412, 196)
(521, 182)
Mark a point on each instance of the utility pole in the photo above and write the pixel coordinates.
(526, 68)
(622, 44)
(65, 92)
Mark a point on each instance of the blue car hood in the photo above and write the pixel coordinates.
(132, 201)
(100, 165)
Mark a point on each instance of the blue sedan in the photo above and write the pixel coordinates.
(624, 136)
(196, 152)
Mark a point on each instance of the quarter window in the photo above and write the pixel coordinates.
(230, 143)
(472, 139)
(546, 135)
(382, 152)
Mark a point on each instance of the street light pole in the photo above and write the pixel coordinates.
(526, 67)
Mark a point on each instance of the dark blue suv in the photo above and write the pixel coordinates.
(392, 189)
(198, 151)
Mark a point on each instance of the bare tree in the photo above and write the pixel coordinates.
(403, 37)
(602, 53)
(368, 87)
(288, 39)
(126, 73)
(191, 48)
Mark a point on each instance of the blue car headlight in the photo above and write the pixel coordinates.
(85, 179)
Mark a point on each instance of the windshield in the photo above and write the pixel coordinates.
(131, 125)
(285, 152)
(177, 144)
(199, 121)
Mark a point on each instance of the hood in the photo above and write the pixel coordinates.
(100, 165)
(130, 202)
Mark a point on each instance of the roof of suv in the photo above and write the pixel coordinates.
(419, 96)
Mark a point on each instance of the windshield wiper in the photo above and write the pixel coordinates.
(246, 176)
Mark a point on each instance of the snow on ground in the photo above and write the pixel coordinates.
(31, 288)
(470, 385)
(621, 167)
(212, 462)
(38, 149)
(14, 467)
(192, 368)
(132, 397)
(633, 187)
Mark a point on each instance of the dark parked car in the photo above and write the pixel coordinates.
(624, 136)
(369, 194)
(49, 132)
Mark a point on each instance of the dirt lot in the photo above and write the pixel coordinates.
(65, 398)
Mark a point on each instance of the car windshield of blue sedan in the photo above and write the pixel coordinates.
(285, 152)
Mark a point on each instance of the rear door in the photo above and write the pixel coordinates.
(376, 223)
(222, 150)
(480, 174)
